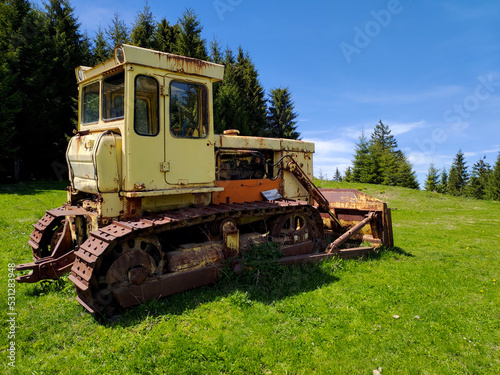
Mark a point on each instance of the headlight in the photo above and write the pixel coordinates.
(80, 74)
(120, 55)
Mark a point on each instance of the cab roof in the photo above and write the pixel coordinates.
(127, 54)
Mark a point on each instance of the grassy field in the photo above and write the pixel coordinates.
(429, 306)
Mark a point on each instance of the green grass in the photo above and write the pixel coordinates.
(441, 280)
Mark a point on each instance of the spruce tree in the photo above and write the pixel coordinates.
(252, 93)
(117, 32)
(56, 47)
(229, 106)
(165, 36)
(458, 177)
(431, 181)
(406, 176)
(477, 186)
(443, 182)
(143, 31)
(384, 160)
(378, 161)
(216, 55)
(348, 174)
(361, 170)
(189, 42)
(383, 138)
(101, 50)
(13, 21)
(281, 116)
(493, 189)
(68, 50)
(338, 175)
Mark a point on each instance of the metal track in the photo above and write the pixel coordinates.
(88, 257)
(44, 237)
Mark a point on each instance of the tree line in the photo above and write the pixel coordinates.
(40, 48)
(481, 182)
(378, 160)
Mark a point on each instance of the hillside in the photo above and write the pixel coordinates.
(429, 306)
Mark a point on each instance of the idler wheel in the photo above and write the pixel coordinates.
(134, 266)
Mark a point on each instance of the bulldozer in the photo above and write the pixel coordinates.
(157, 203)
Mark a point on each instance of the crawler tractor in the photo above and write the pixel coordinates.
(158, 203)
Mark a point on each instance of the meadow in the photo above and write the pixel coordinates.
(431, 305)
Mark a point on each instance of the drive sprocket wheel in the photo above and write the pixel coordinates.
(296, 227)
(128, 262)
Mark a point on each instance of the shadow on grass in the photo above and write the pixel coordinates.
(391, 252)
(50, 286)
(32, 187)
(242, 290)
(266, 286)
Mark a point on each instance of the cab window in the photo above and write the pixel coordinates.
(188, 110)
(90, 103)
(146, 118)
(112, 96)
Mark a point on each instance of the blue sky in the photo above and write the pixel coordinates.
(428, 69)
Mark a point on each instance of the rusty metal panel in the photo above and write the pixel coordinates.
(192, 256)
(291, 145)
(171, 62)
(352, 199)
(164, 285)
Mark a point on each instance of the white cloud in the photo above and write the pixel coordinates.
(332, 146)
(331, 154)
(401, 128)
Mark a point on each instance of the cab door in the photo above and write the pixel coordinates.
(189, 145)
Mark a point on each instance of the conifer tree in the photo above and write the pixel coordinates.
(361, 170)
(229, 106)
(252, 93)
(60, 48)
(281, 115)
(384, 160)
(338, 175)
(189, 42)
(143, 31)
(378, 161)
(12, 40)
(348, 174)
(477, 185)
(406, 176)
(431, 181)
(165, 36)
(493, 189)
(216, 55)
(117, 32)
(457, 180)
(443, 182)
(101, 50)
(383, 138)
